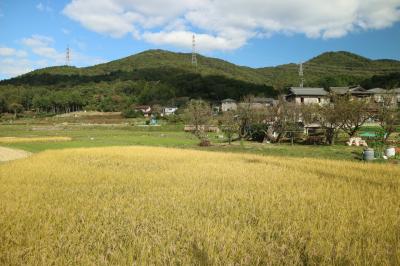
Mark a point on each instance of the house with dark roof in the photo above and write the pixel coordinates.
(380, 94)
(354, 91)
(300, 95)
(259, 102)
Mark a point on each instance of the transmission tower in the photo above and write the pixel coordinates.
(68, 56)
(194, 58)
(301, 75)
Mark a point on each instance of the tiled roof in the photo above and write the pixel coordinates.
(308, 91)
(228, 101)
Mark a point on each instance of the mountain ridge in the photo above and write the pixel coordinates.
(330, 68)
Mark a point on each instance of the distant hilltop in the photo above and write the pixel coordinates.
(340, 67)
(168, 78)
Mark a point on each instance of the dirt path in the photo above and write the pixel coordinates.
(7, 154)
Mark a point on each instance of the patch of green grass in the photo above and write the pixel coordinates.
(167, 136)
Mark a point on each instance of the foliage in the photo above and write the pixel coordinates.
(388, 81)
(131, 113)
(162, 77)
(257, 132)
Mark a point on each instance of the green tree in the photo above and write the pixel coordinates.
(16, 108)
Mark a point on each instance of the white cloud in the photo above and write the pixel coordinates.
(40, 52)
(228, 25)
(7, 51)
(42, 46)
(43, 7)
(11, 67)
(65, 31)
(183, 39)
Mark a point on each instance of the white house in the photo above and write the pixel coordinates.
(228, 105)
(307, 95)
(379, 94)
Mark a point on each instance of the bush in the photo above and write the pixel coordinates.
(131, 113)
(257, 132)
(205, 143)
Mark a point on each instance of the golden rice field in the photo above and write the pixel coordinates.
(10, 140)
(140, 205)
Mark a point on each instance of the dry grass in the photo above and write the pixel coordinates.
(144, 205)
(10, 140)
(7, 154)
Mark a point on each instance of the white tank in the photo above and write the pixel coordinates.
(390, 152)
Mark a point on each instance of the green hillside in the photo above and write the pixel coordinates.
(332, 69)
(163, 77)
(160, 59)
(336, 67)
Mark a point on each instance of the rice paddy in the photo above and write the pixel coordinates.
(11, 140)
(151, 205)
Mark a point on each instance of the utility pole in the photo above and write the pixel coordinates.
(194, 58)
(301, 75)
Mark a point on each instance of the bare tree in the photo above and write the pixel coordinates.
(354, 113)
(388, 114)
(230, 125)
(198, 114)
(249, 113)
(330, 118)
(283, 117)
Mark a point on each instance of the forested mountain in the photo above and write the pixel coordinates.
(332, 69)
(163, 77)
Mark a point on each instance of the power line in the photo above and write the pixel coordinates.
(68, 56)
(301, 75)
(194, 57)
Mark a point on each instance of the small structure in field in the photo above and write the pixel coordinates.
(204, 128)
(312, 128)
(145, 109)
(166, 111)
(228, 105)
(307, 95)
(357, 141)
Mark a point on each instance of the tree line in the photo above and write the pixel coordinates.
(116, 91)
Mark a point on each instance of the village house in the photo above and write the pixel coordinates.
(355, 92)
(300, 95)
(259, 102)
(228, 105)
(379, 95)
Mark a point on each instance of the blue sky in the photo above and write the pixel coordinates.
(256, 33)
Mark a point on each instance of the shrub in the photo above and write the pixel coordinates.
(257, 132)
(131, 113)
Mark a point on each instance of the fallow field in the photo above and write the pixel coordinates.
(154, 205)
